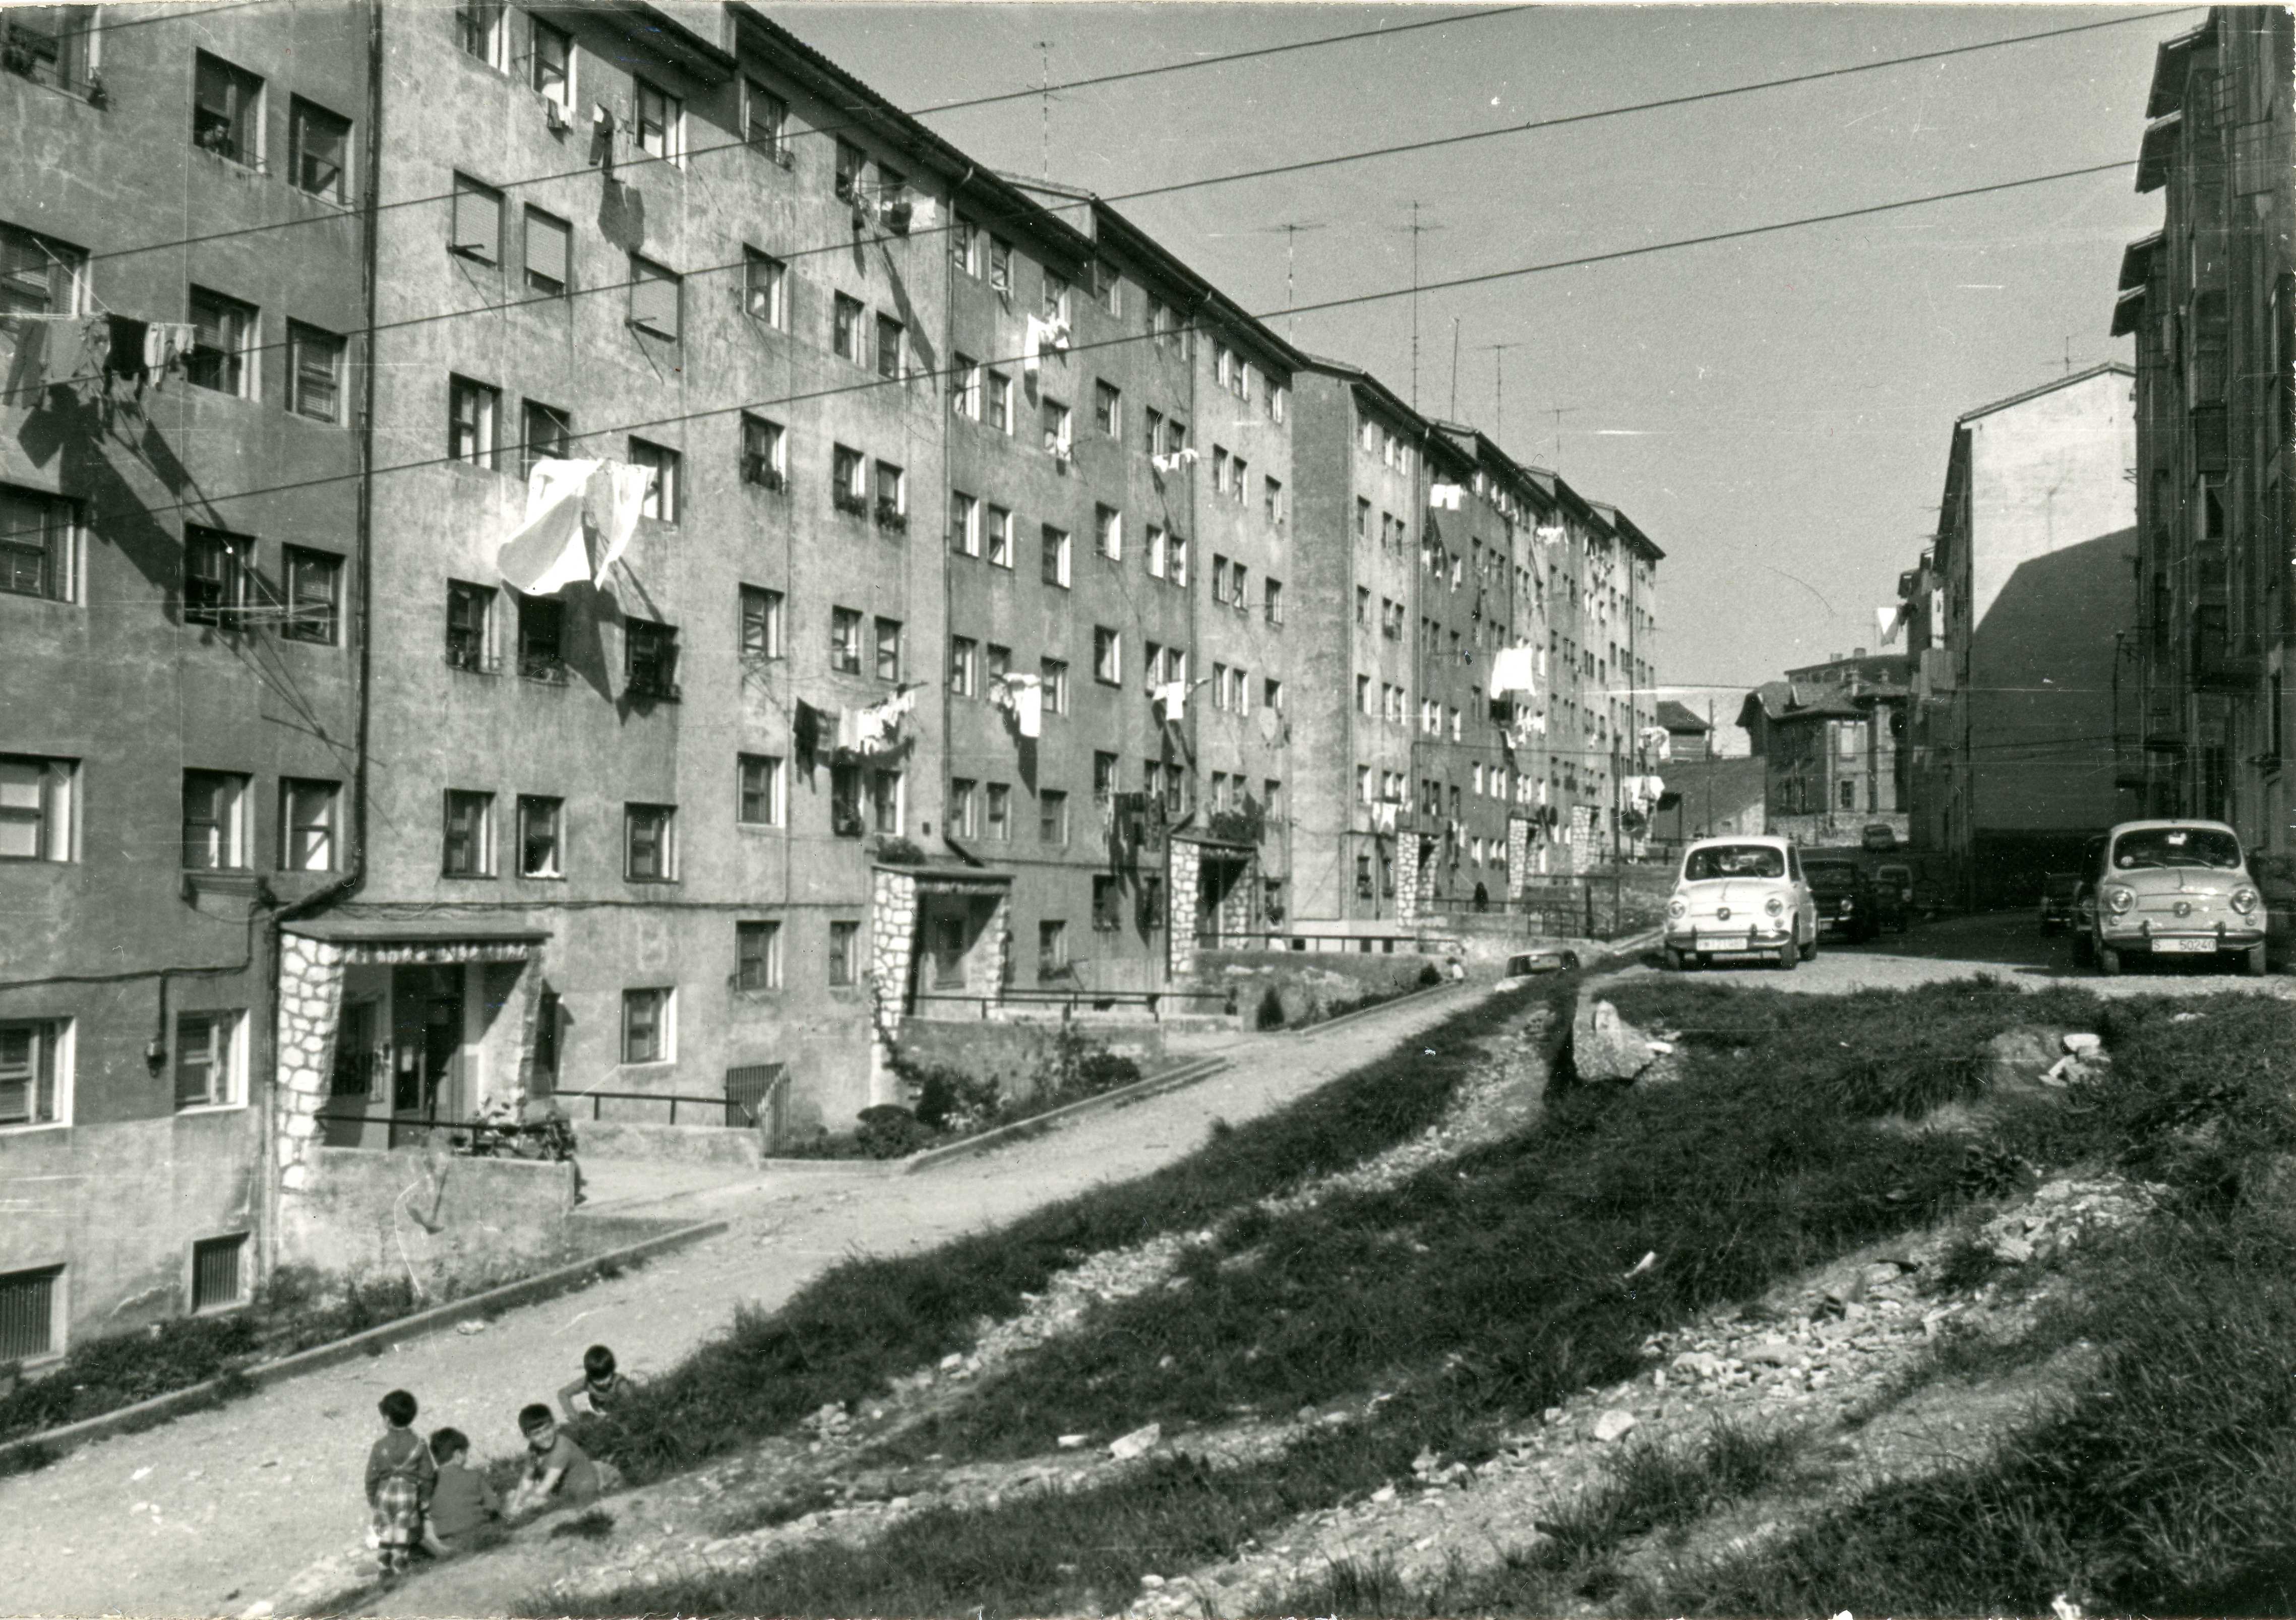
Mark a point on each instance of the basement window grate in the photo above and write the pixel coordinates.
(215, 1280)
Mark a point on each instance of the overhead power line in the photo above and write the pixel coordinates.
(1235, 176)
(875, 381)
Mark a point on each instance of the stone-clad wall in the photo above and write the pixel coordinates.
(310, 1012)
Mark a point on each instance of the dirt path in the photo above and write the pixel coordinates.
(214, 1510)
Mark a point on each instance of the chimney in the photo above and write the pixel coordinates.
(1858, 652)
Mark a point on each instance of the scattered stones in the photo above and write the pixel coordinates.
(1770, 1352)
(1613, 1424)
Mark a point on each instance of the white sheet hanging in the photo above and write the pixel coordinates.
(550, 550)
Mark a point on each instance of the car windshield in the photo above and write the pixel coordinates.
(1830, 874)
(2152, 847)
(1733, 861)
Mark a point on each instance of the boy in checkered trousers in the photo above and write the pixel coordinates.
(400, 1477)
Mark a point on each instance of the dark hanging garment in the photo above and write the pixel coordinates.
(805, 735)
(125, 358)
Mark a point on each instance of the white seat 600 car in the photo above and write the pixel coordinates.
(1741, 896)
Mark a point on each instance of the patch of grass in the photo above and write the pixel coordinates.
(595, 1526)
(863, 1322)
(1967, 1263)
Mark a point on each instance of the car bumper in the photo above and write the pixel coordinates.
(1713, 938)
(2139, 936)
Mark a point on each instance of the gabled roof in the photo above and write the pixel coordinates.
(1678, 719)
(1388, 400)
(2120, 366)
(2170, 58)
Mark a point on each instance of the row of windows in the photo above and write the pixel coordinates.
(39, 800)
(32, 1303)
(207, 1059)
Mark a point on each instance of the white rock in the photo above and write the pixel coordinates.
(1386, 1493)
(1613, 1423)
(2080, 1043)
(1139, 1440)
(1151, 1582)
(1068, 1443)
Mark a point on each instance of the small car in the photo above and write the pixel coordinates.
(2059, 890)
(1741, 896)
(1893, 894)
(1845, 898)
(1877, 835)
(2174, 887)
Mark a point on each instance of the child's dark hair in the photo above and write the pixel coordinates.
(446, 1442)
(598, 1363)
(533, 1416)
(397, 1408)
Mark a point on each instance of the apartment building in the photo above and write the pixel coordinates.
(2211, 300)
(2017, 620)
(179, 716)
(1830, 736)
(587, 554)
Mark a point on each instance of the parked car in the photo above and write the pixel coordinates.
(1877, 835)
(1893, 898)
(1844, 896)
(2176, 888)
(2059, 890)
(1741, 896)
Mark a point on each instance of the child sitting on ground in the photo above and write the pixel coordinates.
(399, 1477)
(462, 1502)
(601, 1388)
(559, 1473)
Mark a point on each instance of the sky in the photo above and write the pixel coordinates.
(1775, 412)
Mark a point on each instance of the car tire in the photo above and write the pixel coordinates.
(1789, 956)
(1810, 950)
(2252, 962)
(1676, 961)
(2108, 960)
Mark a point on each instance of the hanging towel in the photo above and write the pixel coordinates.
(1032, 351)
(1171, 700)
(125, 356)
(1024, 696)
(849, 731)
(1889, 620)
(28, 367)
(616, 498)
(550, 550)
(805, 733)
(1514, 670)
(1446, 497)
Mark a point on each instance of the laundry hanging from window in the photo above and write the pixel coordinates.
(579, 517)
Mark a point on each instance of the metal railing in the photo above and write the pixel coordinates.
(421, 1124)
(1156, 1002)
(729, 1110)
(1367, 945)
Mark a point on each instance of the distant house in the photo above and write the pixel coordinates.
(1688, 737)
(1710, 798)
(1828, 737)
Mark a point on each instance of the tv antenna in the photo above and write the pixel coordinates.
(1291, 229)
(1417, 231)
(1498, 393)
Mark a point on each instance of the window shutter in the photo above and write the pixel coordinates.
(546, 248)
(653, 299)
(478, 221)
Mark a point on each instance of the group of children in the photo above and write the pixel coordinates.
(426, 1496)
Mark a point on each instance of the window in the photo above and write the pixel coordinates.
(888, 649)
(890, 337)
(483, 29)
(549, 436)
(467, 850)
(759, 790)
(1275, 494)
(844, 641)
(318, 150)
(1053, 674)
(765, 289)
(1000, 264)
(541, 836)
(650, 658)
(1000, 401)
(476, 231)
(1059, 430)
(756, 956)
(1271, 592)
(850, 160)
(1279, 401)
(34, 1086)
(1000, 537)
(214, 823)
(1056, 297)
(1219, 470)
(1363, 694)
(661, 464)
(845, 328)
(1152, 422)
(847, 480)
(761, 622)
(469, 627)
(842, 938)
(1055, 564)
(845, 800)
(1107, 655)
(1000, 811)
(1108, 409)
(765, 453)
(227, 111)
(223, 344)
(766, 119)
(1052, 950)
(1053, 816)
(37, 276)
(1108, 532)
(1160, 550)
(961, 807)
(661, 122)
(550, 65)
(36, 549)
(886, 801)
(653, 298)
(1177, 556)
(965, 248)
(207, 1059)
(28, 1313)
(646, 1026)
(541, 635)
(35, 807)
(892, 492)
(963, 666)
(1107, 287)
(549, 252)
(219, 1279)
(314, 596)
(964, 524)
(474, 410)
(964, 386)
(649, 843)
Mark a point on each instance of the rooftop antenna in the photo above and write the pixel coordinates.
(1559, 412)
(1417, 231)
(1290, 229)
(1454, 413)
(1044, 95)
(1498, 392)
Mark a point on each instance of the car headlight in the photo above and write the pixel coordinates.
(1775, 906)
(1677, 908)
(2245, 900)
(2119, 900)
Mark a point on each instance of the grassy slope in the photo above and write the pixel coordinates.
(1477, 1291)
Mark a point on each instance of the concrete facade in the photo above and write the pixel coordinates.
(2026, 602)
(2210, 299)
(1831, 739)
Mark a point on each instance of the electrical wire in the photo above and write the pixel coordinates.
(875, 381)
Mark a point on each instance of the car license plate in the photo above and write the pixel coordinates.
(2201, 945)
(1722, 942)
